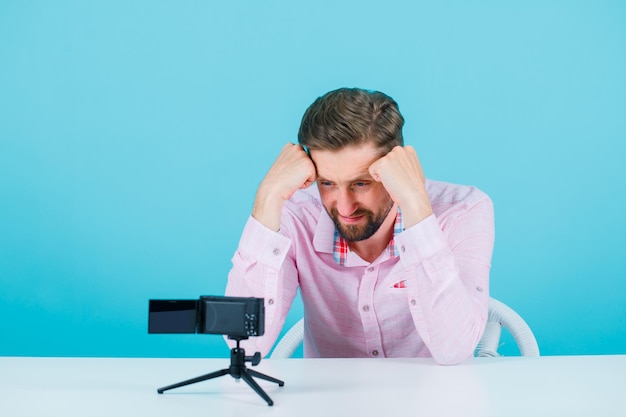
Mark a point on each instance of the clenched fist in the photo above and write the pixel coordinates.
(292, 170)
(401, 174)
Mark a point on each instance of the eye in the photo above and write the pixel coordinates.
(323, 183)
(360, 184)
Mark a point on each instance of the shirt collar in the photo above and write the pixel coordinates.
(341, 248)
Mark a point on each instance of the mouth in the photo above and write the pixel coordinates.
(351, 219)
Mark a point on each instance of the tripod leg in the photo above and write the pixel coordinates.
(246, 377)
(266, 377)
(194, 380)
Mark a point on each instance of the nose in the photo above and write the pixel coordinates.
(346, 203)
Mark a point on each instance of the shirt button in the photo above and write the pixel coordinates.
(479, 289)
(370, 269)
(276, 251)
(270, 301)
(413, 302)
(366, 308)
(375, 352)
(402, 248)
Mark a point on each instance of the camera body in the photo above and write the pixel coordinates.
(236, 317)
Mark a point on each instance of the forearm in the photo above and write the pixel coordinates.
(259, 268)
(449, 316)
(448, 286)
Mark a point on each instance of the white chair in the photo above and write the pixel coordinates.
(288, 344)
(500, 315)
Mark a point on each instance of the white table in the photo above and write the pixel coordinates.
(512, 386)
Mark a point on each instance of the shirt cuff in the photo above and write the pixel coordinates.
(263, 244)
(420, 241)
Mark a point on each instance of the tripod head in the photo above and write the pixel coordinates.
(238, 354)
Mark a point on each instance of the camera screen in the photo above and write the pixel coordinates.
(224, 317)
(172, 316)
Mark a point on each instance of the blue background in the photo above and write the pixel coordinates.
(133, 135)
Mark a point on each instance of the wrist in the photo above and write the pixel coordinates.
(415, 211)
(267, 210)
(411, 218)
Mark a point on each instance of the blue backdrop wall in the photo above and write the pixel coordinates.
(133, 135)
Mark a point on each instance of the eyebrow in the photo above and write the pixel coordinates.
(365, 177)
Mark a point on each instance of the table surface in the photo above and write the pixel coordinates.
(505, 386)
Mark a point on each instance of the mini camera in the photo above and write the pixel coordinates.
(236, 317)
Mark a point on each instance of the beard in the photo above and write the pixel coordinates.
(356, 233)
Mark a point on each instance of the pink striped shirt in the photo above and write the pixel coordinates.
(430, 301)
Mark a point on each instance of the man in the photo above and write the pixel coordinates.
(389, 264)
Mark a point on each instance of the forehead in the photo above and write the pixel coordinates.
(346, 164)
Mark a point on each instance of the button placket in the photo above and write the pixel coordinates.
(368, 319)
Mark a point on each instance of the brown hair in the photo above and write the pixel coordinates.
(352, 116)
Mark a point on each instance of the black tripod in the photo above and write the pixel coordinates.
(237, 370)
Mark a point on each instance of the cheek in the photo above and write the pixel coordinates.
(327, 199)
(376, 197)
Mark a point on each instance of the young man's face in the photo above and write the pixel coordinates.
(357, 203)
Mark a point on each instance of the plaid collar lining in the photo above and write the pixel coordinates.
(341, 248)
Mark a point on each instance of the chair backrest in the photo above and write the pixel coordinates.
(500, 315)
